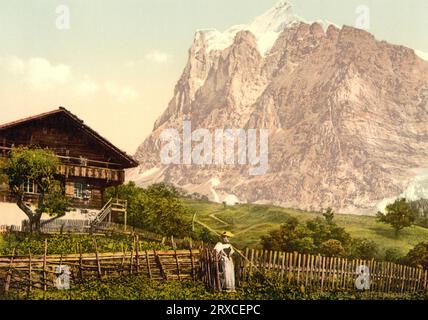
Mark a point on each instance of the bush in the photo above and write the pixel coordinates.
(418, 256)
(306, 238)
(393, 255)
(158, 209)
(363, 249)
(332, 248)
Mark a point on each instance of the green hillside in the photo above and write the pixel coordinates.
(249, 222)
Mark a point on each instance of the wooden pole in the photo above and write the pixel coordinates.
(80, 262)
(137, 256)
(9, 273)
(122, 265)
(251, 262)
(177, 263)
(97, 259)
(126, 219)
(131, 260)
(217, 272)
(44, 266)
(30, 271)
(322, 272)
(148, 265)
(192, 261)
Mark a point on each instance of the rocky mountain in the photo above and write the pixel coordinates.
(347, 114)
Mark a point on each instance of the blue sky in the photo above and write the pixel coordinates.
(117, 65)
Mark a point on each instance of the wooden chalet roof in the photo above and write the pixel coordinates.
(130, 162)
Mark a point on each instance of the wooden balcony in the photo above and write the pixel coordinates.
(110, 175)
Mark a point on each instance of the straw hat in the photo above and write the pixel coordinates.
(227, 234)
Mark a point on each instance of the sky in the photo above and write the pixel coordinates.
(118, 62)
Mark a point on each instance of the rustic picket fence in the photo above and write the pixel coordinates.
(315, 272)
(9, 228)
(330, 273)
(42, 271)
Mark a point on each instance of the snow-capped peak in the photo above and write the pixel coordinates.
(422, 55)
(266, 28)
(275, 19)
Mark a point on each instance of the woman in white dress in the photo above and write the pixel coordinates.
(225, 252)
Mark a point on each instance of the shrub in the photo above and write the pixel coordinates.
(306, 238)
(393, 255)
(332, 248)
(363, 249)
(158, 209)
(418, 256)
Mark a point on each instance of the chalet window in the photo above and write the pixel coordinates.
(78, 190)
(30, 186)
(81, 191)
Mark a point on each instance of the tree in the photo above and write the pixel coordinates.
(36, 166)
(418, 256)
(393, 255)
(305, 238)
(363, 249)
(158, 208)
(329, 215)
(291, 236)
(322, 231)
(399, 215)
(332, 248)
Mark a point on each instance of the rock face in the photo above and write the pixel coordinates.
(347, 114)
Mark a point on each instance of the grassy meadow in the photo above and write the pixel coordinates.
(249, 222)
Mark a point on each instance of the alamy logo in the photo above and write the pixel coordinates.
(62, 281)
(220, 147)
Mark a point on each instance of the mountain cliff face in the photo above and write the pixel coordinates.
(347, 114)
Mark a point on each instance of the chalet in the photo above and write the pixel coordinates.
(89, 162)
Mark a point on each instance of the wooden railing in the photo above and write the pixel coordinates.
(4, 152)
(92, 172)
(9, 228)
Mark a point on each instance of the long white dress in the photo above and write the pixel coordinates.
(227, 276)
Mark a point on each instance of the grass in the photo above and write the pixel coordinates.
(249, 222)
(141, 288)
(22, 244)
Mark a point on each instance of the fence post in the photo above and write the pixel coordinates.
(217, 272)
(137, 256)
(425, 280)
(131, 261)
(9, 273)
(148, 265)
(80, 262)
(322, 272)
(30, 271)
(192, 262)
(44, 266)
(251, 263)
(97, 258)
(177, 263)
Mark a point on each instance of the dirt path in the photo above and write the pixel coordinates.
(207, 227)
(251, 228)
(218, 219)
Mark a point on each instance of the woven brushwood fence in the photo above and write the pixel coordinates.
(43, 271)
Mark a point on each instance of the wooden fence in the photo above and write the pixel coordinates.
(313, 272)
(9, 228)
(43, 271)
(326, 273)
